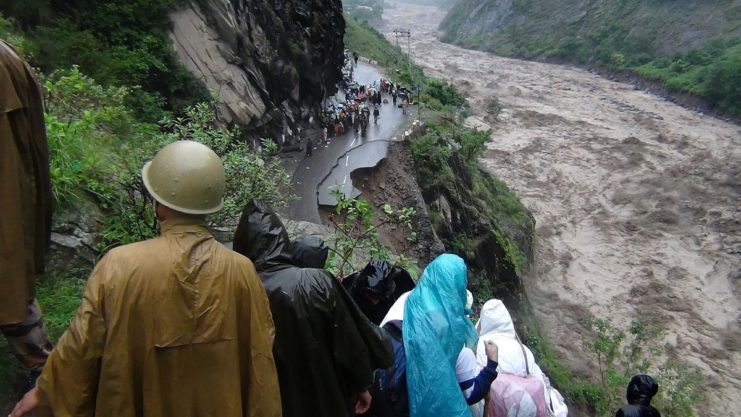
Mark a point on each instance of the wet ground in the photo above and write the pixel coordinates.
(330, 165)
(636, 201)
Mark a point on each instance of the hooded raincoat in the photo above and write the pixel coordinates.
(384, 282)
(325, 348)
(641, 390)
(435, 330)
(25, 186)
(515, 359)
(309, 251)
(173, 326)
(495, 323)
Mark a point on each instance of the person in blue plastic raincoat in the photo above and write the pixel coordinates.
(435, 329)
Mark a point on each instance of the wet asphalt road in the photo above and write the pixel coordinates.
(330, 166)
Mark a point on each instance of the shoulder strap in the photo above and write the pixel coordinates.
(524, 354)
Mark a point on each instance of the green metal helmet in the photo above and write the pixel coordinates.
(186, 176)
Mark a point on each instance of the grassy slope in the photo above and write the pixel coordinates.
(361, 37)
(690, 46)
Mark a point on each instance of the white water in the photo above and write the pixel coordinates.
(636, 201)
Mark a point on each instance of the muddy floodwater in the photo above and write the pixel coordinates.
(636, 201)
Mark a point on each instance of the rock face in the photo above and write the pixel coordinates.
(271, 63)
(75, 237)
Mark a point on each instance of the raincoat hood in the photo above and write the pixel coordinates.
(641, 390)
(495, 319)
(377, 287)
(376, 278)
(262, 237)
(495, 324)
(435, 330)
(325, 348)
(309, 251)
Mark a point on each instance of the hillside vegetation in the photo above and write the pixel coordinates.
(690, 46)
(112, 42)
(99, 138)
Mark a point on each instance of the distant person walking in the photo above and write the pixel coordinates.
(25, 211)
(330, 129)
(309, 147)
(355, 56)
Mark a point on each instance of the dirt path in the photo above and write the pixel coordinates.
(636, 201)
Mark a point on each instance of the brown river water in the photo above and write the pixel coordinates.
(637, 202)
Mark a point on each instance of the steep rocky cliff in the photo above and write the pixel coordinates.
(271, 62)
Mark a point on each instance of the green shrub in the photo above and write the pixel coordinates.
(355, 238)
(86, 125)
(97, 148)
(117, 43)
(430, 154)
(724, 81)
(10, 35)
(444, 92)
(621, 354)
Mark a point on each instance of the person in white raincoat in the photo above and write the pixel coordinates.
(495, 324)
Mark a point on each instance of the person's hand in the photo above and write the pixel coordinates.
(27, 404)
(363, 403)
(492, 350)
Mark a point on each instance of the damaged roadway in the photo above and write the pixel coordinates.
(332, 164)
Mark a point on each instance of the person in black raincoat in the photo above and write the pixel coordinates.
(309, 251)
(377, 287)
(325, 348)
(641, 390)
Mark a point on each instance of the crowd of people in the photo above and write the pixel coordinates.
(180, 325)
(360, 101)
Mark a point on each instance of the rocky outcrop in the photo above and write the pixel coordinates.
(271, 63)
(75, 237)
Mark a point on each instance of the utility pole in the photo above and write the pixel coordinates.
(407, 34)
(400, 33)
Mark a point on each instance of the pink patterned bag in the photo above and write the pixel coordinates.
(516, 396)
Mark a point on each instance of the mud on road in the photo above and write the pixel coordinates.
(636, 201)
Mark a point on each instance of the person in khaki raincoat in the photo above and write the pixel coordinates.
(174, 326)
(25, 208)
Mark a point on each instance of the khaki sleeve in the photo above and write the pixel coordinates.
(68, 383)
(263, 397)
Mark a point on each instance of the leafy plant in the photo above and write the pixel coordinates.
(356, 231)
(621, 354)
(114, 42)
(97, 148)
